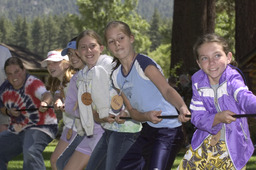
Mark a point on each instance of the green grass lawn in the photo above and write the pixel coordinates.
(16, 164)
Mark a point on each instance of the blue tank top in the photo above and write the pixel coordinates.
(142, 93)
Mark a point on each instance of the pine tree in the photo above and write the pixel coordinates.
(154, 33)
(95, 14)
(37, 34)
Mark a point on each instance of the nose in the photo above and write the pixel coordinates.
(13, 76)
(49, 65)
(89, 49)
(117, 43)
(211, 60)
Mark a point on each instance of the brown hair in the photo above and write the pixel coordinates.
(14, 61)
(212, 37)
(89, 33)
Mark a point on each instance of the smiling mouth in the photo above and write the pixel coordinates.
(90, 56)
(15, 80)
(53, 71)
(74, 62)
(213, 69)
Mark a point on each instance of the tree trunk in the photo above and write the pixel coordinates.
(245, 36)
(245, 28)
(191, 19)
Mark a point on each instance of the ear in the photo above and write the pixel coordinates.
(198, 64)
(229, 56)
(132, 38)
(101, 48)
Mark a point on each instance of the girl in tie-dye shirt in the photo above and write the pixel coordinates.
(33, 126)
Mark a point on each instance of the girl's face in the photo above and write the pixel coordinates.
(57, 69)
(74, 59)
(213, 60)
(119, 44)
(15, 75)
(89, 50)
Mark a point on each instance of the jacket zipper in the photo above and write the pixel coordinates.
(243, 131)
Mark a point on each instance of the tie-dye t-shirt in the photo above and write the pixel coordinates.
(28, 97)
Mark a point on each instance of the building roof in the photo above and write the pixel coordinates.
(30, 60)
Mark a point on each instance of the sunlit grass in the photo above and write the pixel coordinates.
(16, 164)
(178, 159)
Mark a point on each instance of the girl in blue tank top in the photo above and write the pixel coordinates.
(146, 95)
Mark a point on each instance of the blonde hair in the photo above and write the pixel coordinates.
(54, 84)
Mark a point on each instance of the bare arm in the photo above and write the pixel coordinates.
(139, 116)
(169, 93)
(58, 102)
(109, 119)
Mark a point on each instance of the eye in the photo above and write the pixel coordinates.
(218, 55)
(110, 41)
(82, 47)
(121, 38)
(92, 46)
(203, 58)
(70, 54)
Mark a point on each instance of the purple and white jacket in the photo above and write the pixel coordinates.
(233, 95)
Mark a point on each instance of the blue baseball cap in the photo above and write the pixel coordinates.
(71, 44)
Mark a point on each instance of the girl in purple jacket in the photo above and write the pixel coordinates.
(221, 140)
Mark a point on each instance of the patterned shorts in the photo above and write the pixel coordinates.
(207, 157)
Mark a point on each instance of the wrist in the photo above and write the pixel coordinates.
(103, 120)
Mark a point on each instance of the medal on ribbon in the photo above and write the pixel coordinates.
(69, 134)
(86, 98)
(117, 103)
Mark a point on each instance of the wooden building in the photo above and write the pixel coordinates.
(31, 61)
(248, 67)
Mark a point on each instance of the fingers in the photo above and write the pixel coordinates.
(153, 116)
(118, 120)
(230, 120)
(227, 116)
(58, 105)
(14, 113)
(109, 119)
(42, 109)
(182, 118)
